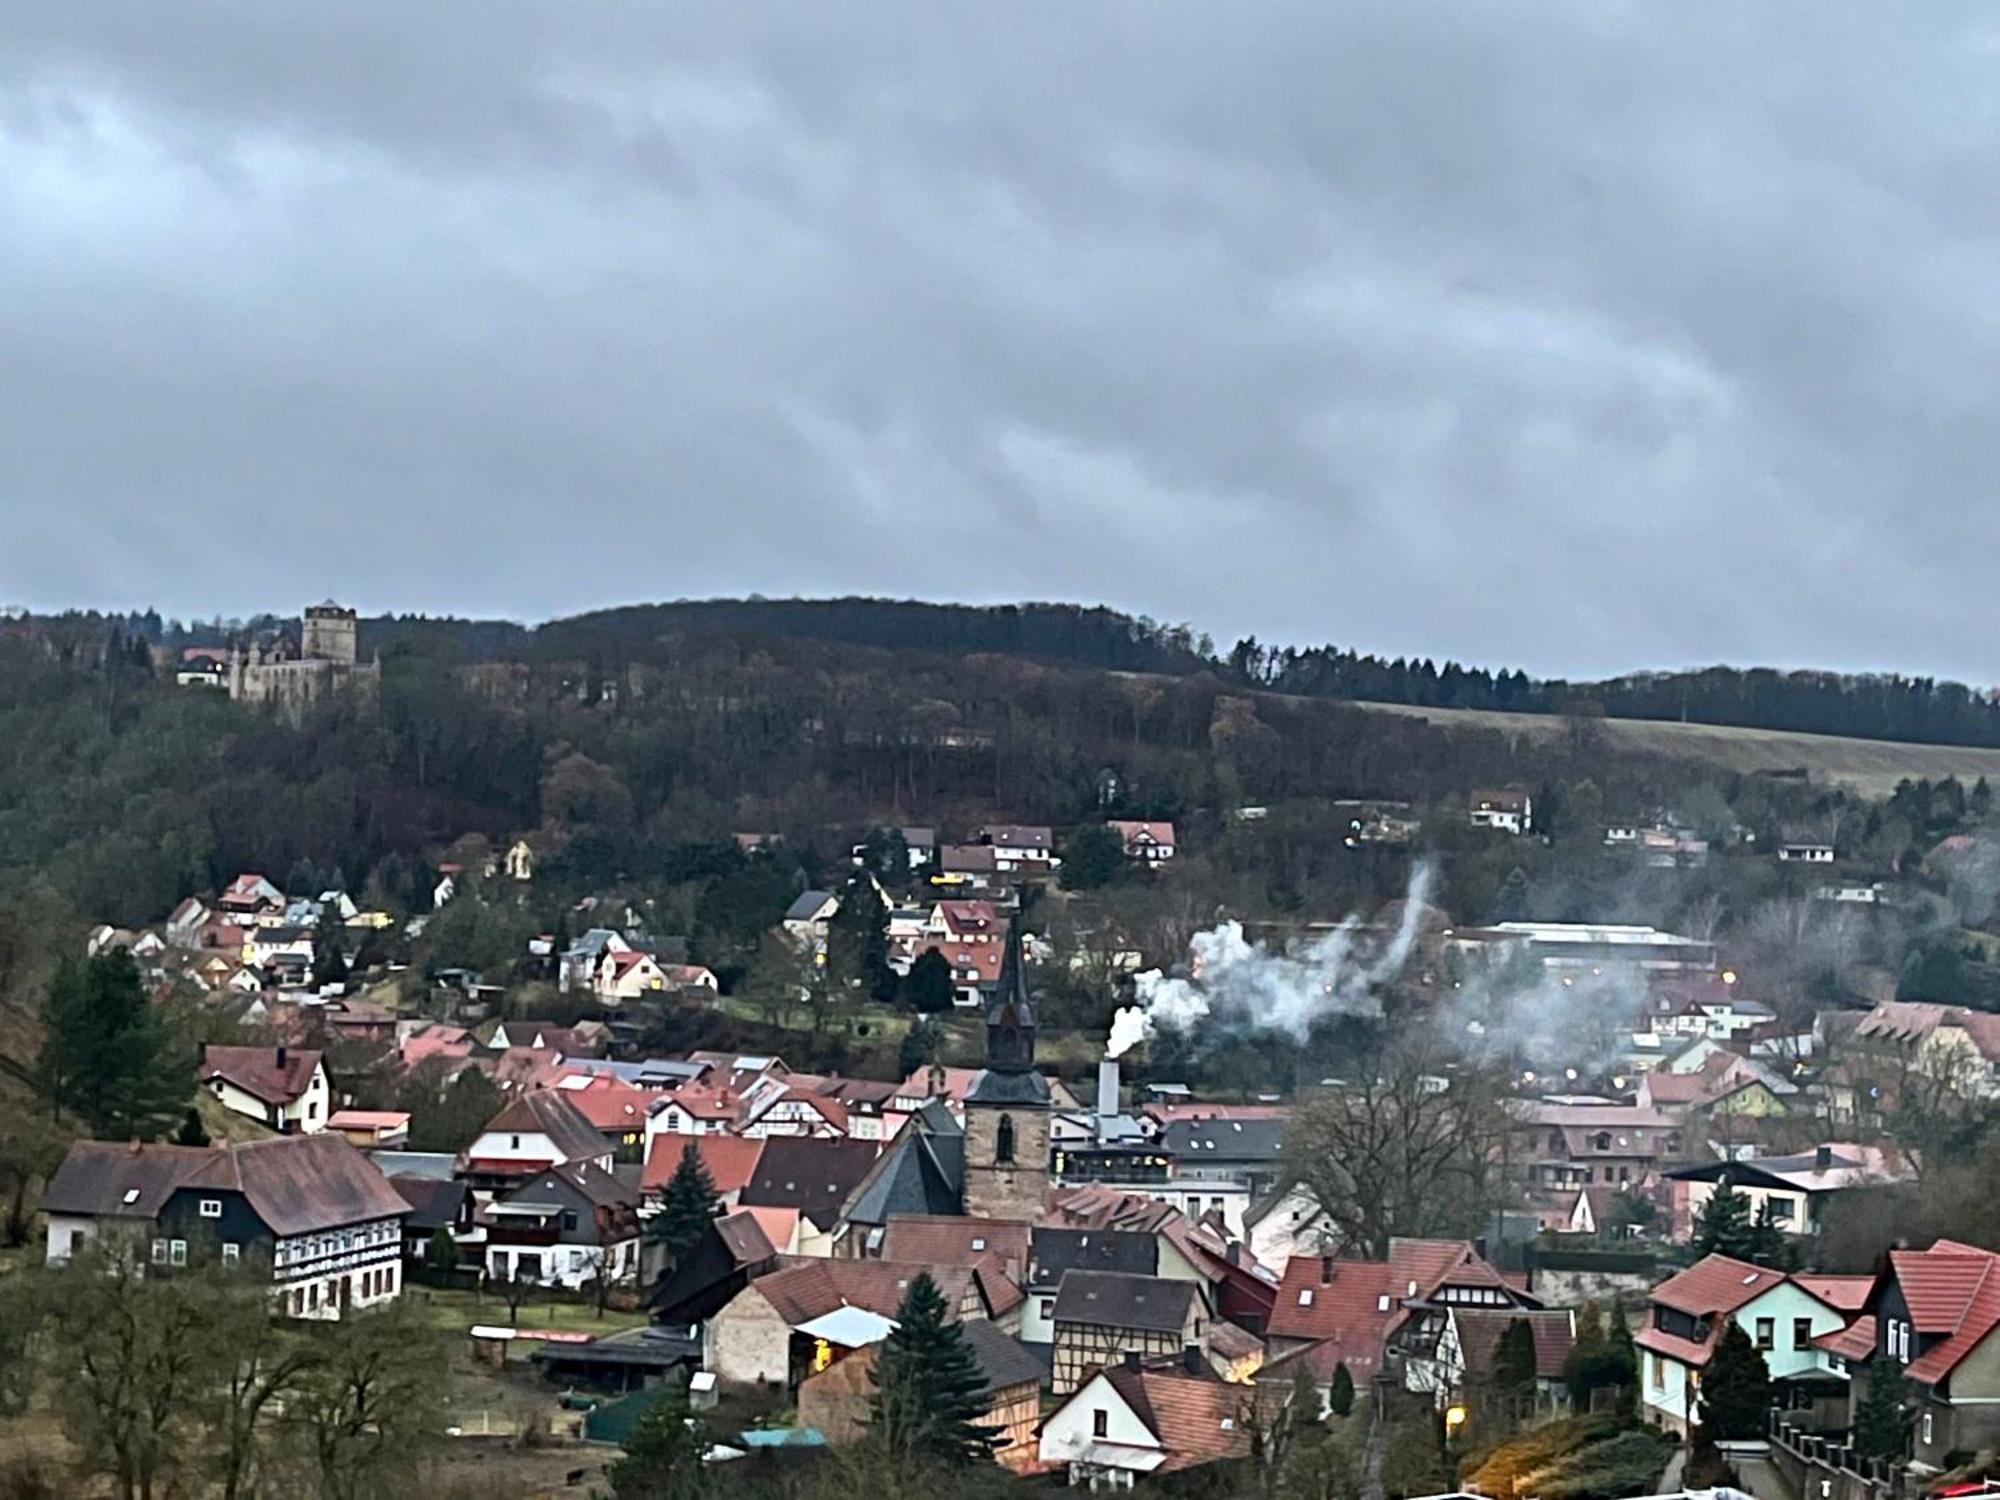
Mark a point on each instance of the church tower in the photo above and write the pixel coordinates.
(1007, 1109)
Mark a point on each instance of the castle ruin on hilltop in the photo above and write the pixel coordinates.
(324, 666)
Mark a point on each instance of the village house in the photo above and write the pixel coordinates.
(1784, 1316)
(283, 1087)
(1566, 1146)
(766, 1335)
(967, 867)
(310, 1208)
(694, 1109)
(1101, 1316)
(186, 920)
(1934, 1313)
(1020, 848)
(1285, 1222)
(628, 976)
(835, 1400)
(812, 1176)
(436, 1203)
(617, 1111)
(576, 965)
(1129, 1421)
(1454, 1362)
(732, 1251)
(372, 1129)
(568, 1226)
(248, 896)
(1149, 843)
(1509, 809)
(809, 919)
(539, 1130)
(1355, 1307)
(1792, 1190)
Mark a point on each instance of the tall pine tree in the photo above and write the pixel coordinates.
(1723, 1226)
(107, 1055)
(1340, 1394)
(687, 1207)
(929, 1393)
(1735, 1388)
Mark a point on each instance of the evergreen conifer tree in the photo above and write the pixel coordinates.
(1340, 1397)
(664, 1456)
(1882, 1416)
(1723, 1226)
(106, 1050)
(687, 1207)
(1514, 1361)
(1735, 1388)
(929, 1393)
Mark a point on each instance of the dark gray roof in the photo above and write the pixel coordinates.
(1225, 1140)
(807, 906)
(910, 1178)
(1002, 1360)
(814, 1176)
(585, 1178)
(1111, 1299)
(434, 1202)
(1029, 1089)
(1054, 1252)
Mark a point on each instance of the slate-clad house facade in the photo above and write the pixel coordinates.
(310, 1211)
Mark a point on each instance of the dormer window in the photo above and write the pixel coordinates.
(211, 1208)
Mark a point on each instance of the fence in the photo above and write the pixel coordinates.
(1826, 1468)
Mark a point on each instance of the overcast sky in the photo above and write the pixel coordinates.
(1577, 336)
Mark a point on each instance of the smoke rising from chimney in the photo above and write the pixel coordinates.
(1248, 985)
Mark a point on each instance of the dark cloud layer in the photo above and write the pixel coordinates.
(1584, 336)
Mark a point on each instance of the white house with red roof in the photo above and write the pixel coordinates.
(1021, 848)
(1784, 1315)
(629, 975)
(1150, 842)
(283, 1087)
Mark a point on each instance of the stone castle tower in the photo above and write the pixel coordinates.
(329, 633)
(1007, 1109)
(327, 666)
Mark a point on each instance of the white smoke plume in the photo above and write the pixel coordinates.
(1250, 985)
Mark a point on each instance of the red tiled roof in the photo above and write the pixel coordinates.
(730, 1159)
(258, 1070)
(1481, 1329)
(1855, 1341)
(1198, 1420)
(1844, 1294)
(946, 1240)
(1951, 1289)
(804, 1287)
(1716, 1284)
(616, 1107)
(1321, 1298)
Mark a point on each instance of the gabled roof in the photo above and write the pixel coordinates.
(296, 1184)
(435, 1202)
(731, 1160)
(545, 1112)
(952, 1240)
(808, 906)
(1002, 1360)
(1114, 1299)
(1716, 1284)
(921, 1172)
(813, 1176)
(1953, 1293)
(614, 1107)
(1225, 1140)
(806, 1287)
(744, 1238)
(259, 1072)
(1197, 1420)
(1055, 1252)
(1481, 1329)
(585, 1178)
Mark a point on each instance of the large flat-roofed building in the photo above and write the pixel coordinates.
(1588, 945)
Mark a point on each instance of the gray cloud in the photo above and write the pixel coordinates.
(1582, 336)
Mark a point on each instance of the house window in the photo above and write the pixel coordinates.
(1100, 1424)
(211, 1208)
(159, 1252)
(1601, 1141)
(1802, 1333)
(179, 1254)
(1927, 1427)
(1782, 1210)
(1659, 1369)
(569, 1219)
(1767, 1333)
(1305, 1296)
(516, 1140)
(231, 1253)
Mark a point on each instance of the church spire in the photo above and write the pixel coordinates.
(1010, 1018)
